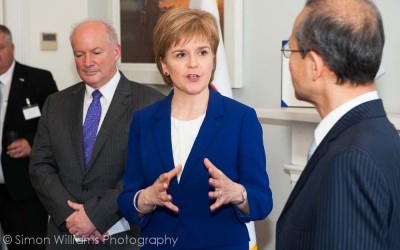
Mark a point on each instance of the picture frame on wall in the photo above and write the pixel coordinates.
(137, 61)
(288, 98)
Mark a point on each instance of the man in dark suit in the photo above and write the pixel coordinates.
(348, 194)
(80, 189)
(23, 92)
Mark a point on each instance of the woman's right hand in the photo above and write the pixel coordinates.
(156, 194)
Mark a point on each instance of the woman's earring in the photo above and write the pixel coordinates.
(166, 73)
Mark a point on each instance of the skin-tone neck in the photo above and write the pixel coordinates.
(334, 95)
(188, 107)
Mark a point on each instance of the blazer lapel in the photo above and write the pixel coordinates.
(16, 90)
(364, 111)
(162, 132)
(206, 134)
(76, 121)
(118, 107)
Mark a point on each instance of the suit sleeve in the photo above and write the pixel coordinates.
(251, 164)
(103, 211)
(43, 172)
(353, 205)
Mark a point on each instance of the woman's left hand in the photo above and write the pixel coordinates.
(226, 190)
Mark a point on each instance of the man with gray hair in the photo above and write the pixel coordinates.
(23, 91)
(78, 157)
(348, 194)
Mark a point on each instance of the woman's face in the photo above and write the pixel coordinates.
(189, 64)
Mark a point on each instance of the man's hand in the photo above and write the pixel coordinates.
(19, 148)
(79, 224)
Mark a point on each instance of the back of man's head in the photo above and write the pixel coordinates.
(347, 34)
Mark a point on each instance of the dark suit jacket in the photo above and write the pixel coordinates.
(348, 196)
(35, 84)
(57, 166)
(231, 137)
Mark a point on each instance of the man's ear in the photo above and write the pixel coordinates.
(117, 49)
(317, 63)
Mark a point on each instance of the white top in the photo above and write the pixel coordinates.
(330, 120)
(5, 87)
(183, 135)
(107, 91)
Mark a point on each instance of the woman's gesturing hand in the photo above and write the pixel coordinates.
(157, 195)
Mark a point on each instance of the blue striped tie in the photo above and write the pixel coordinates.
(91, 125)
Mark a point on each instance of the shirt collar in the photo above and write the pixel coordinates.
(330, 120)
(108, 89)
(7, 76)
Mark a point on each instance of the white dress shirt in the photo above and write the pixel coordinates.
(334, 116)
(107, 92)
(5, 87)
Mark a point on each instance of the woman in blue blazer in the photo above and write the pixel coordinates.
(196, 167)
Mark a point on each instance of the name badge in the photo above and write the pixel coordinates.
(31, 112)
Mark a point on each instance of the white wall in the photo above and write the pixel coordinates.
(388, 84)
(266, 23)
(59, 17)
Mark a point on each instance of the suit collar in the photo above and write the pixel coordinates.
(214, 109)
(106, 90)
(16, 93)
(210, 126)
(371, 109)
(162, 132)
(118, 107)
(334, 116)
(75, 118)
(367, 110)
(17, 83)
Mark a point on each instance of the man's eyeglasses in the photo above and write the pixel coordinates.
(287, 51)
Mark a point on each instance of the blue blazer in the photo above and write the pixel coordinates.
(231, 137)
(348, 196)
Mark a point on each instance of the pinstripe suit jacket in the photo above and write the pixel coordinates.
(348, 196)
(57, 166)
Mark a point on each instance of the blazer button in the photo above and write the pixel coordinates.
(85, 188)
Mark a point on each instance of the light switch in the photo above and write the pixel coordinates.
(48, 41)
